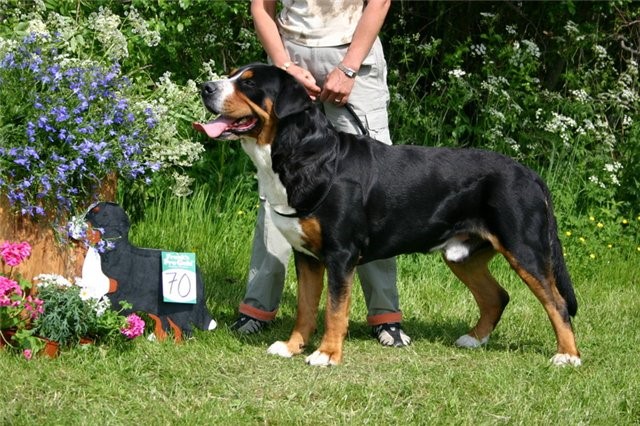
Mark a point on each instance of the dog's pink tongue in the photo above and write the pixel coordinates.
(214, 128)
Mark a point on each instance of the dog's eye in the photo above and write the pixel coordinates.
(249, 83)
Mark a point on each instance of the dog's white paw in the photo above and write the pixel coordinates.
(319, 359)
(566, 359)
(467, 341)
(212, 325)
(280, 348)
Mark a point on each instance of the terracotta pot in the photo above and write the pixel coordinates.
(6, 336)
(51, 349)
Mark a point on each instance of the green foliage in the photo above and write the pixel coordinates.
(499, 89)
(66, 317)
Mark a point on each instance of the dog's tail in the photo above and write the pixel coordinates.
(559, 268)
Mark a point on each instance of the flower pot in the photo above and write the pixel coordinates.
(6, 336)
(51, 349)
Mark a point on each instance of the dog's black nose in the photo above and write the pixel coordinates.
(208, 88)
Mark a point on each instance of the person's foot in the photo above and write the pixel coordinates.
(248, 325)
(391, 334)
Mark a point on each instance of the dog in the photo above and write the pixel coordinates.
(134, 275)
(341, 200)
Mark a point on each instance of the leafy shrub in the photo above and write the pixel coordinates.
(70, 118)
(488, 92)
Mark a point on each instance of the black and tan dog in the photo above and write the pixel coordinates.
(342, 200)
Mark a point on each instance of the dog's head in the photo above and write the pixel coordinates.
(251, 102)
(110, 218)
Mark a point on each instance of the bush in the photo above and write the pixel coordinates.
(489, 92)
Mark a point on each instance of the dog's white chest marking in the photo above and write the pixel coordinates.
(270, 185)
(276, 194)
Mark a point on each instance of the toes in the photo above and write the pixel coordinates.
(566, 359)
(280, 349)
(468, 341)
(320, 359)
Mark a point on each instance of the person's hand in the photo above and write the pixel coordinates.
(306, 79)
(337, 88)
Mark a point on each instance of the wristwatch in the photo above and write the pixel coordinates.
(347, 71)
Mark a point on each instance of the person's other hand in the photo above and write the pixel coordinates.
(306, 79)
(337, 88)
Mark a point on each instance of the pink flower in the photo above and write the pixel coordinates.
(27, 354)
(9, 288)
(34, 307)
(14, 254)
(134, 327)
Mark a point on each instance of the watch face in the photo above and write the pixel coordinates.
(347, 71)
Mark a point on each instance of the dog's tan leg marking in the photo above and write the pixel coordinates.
(554, 304)
(310, 274)
(489, 295)
(336, 325)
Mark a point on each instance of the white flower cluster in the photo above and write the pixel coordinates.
(182, 185)
(140, 27)
(613, 169)
(478, 50)
(45, 280)
(209, 71)
(38, 27)
(561, 125)
(457, 73)
(107, 27)
(581, 96)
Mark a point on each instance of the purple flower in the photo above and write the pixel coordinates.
(60, 113)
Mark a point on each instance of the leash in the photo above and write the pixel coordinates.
(307, 212)
(363, 129)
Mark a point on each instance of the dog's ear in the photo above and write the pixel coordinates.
(292, 98)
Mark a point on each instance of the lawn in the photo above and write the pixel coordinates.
(219, 377)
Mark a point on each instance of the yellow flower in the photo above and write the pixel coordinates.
(240, 213)
(591, 218)
(592, 256)
(625, 222)
(600, 225)
(610, 245)
(582, 240)
(568, 233)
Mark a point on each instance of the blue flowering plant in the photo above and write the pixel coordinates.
(66, 125)
(72, 116)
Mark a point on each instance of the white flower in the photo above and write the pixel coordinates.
(478, 49)
(45, 280)
(458, 73)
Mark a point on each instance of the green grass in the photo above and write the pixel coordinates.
(219, 377)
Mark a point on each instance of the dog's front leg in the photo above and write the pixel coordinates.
(310, 273)
(336, 320)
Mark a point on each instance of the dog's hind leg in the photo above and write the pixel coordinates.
(555, 305)
(489, 295)
(336, 320)
(310, 274)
